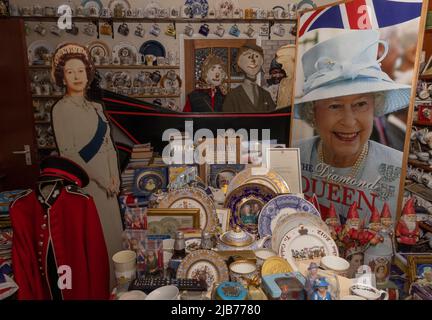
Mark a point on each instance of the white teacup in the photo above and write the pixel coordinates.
(262, 255)
(124, 266)
(164, 293)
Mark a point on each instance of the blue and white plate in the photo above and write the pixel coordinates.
(282, 205)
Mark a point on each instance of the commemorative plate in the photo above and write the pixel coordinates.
(279, 207)
(269, 178)
(204, 264)
(193, 198)
(100, 49)
(306, 243)
(125, 52)
(291, 221)
(246, 203)
(92, 8)
(38, 49)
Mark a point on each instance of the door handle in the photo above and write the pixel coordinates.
(27, 154)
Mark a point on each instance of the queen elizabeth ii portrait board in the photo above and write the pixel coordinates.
(354, 80)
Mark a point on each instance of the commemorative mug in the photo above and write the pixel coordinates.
(234, 31)
(204, 29)
(38, 10)
(106, 12)
(172, 58)
(123, 29)
(106, 29)
(279, 30)
(163, 13)
(73, 30)
(155, 76)
(139, 31)
(250, 31)
(150, 59)
(80, 11)
(40, 29)
(55, 30)
(129, 13)
(172, 75)
(155, 30)
(90, 29)
(174, 12)
(189, 31)
(242, 270)
(238, 13)
(170, 31)
(211, 13)
(264, 30)
(161, 61)
(140, 13)
(50, 11)
(248, 13)
(220, 30)
(124, 266)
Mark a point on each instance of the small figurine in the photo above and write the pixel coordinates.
(321, 292)
(407, 229)
(351, 229)
(372, 235)
(276, 73)
(311, 278)
(386, 219)
(332, 221)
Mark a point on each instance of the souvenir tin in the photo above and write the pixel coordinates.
(203, 264)
(285, 286)
(231, 291)
(246, 203)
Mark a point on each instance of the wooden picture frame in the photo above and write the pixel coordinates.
(176, 214)
(415, 262)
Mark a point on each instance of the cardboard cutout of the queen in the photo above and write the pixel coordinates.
(354, 76)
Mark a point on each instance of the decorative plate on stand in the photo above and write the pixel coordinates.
(292, 221)
(199, 7)
(269, 178)
(152, 47)
(246, 203)
(204, 264)
(306, 243)
(123, 4)
(92, 8)
(280, 206)
(37, 49)
(193, 198)
(99, 48)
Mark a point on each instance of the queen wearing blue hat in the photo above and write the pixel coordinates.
(343, 91)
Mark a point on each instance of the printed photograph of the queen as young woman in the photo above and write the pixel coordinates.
(354, 78)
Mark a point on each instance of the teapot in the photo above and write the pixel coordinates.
(238, 239)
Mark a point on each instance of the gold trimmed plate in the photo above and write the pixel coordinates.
(99, 48)
(245, 203)
(271, 179)
(204, 264)
(193, 198)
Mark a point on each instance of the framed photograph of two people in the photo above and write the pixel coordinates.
(356, 69)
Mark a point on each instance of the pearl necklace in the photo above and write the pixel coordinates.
(357, 165)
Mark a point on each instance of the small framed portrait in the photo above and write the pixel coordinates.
(249, 210)
(149, 257)
(149, 180)
(420, 269)
(167, 221)
(220, 175)
(135, 218)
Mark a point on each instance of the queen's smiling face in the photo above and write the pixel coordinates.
(75, 76)
(344, 125)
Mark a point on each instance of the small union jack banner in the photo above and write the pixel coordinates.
(361, 14)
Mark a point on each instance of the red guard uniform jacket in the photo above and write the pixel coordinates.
(68, 220)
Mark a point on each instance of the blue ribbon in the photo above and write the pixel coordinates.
(92, 148)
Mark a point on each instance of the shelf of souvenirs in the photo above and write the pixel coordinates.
(147, 96)
(114, 66)
(420, 165)
(42, 122)
(159, 19)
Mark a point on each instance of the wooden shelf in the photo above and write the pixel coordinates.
(42, 67)
(159, 20)
(420, 164)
